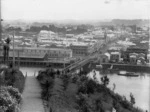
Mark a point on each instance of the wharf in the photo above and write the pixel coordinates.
(127, 67)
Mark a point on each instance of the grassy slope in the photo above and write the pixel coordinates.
(65, 100)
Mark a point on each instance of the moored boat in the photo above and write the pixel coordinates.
(130, 74)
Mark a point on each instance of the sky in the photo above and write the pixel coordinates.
(74, 9)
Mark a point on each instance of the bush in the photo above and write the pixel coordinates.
(44, 94)
(82, 89)
(15, 93)
(74, 78)
(83, 78)
(40, 76)
(9, 99)
(87, 87)
(15, 78)
(65, 79)
(91, 85)
(105, 80)
(82, 104)
(50, 73)
(19, 81)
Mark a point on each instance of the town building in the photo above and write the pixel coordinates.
(46, 36)
(104, 58)
(136, 50)
(115, 57)
(69, 35)
(52, 53)
(79, 49)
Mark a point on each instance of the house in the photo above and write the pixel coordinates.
(104, 58)
(133, 59)
(115, 56)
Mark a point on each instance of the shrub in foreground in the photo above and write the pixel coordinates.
(9, 99)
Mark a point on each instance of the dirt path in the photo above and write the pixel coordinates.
(32, 101)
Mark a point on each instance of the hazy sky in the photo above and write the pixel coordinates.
(74, 9)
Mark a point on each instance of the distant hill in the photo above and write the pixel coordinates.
(126, 22)
(138, 22)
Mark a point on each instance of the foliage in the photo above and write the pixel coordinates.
(91, 85)
(83, 78)
(46, 79)
(81, 101)
(87, 86)
(13, 92)
(74, 78)
(58, 72)
(99, 105)
(65, 79)
(13, 29)
(15, 78)
(40, 75)
(10, 77)
(6, 49)
(105, 80)
(132, 99)
(50, 73)
(82, 89)
(9, 99)
(69, 30)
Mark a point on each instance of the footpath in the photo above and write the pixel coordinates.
(32, 101)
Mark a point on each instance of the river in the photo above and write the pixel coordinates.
(30, 71)
(138, 86)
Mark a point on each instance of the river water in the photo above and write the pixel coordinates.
(30, 71)
(138, 86)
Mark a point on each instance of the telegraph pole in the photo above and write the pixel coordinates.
(13, 50)
(0, 23)
(0, 29)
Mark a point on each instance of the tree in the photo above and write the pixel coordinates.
(105, 80)
(6, 49)
(65, 79)
(132, 99)
(10, 76)
(99, 105)
(82, 103)
(114, 87)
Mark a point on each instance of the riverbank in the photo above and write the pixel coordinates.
(138, 86)
(105, 66)
(127, 67)
(77, 92)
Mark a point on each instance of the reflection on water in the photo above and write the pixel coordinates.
(138, 86)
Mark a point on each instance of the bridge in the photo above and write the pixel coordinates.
(78, 64)
(103, 48)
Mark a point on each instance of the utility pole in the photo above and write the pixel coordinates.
(64, 66)
(13, 50)
(18, 58)
(0, 24)
(0, 30)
